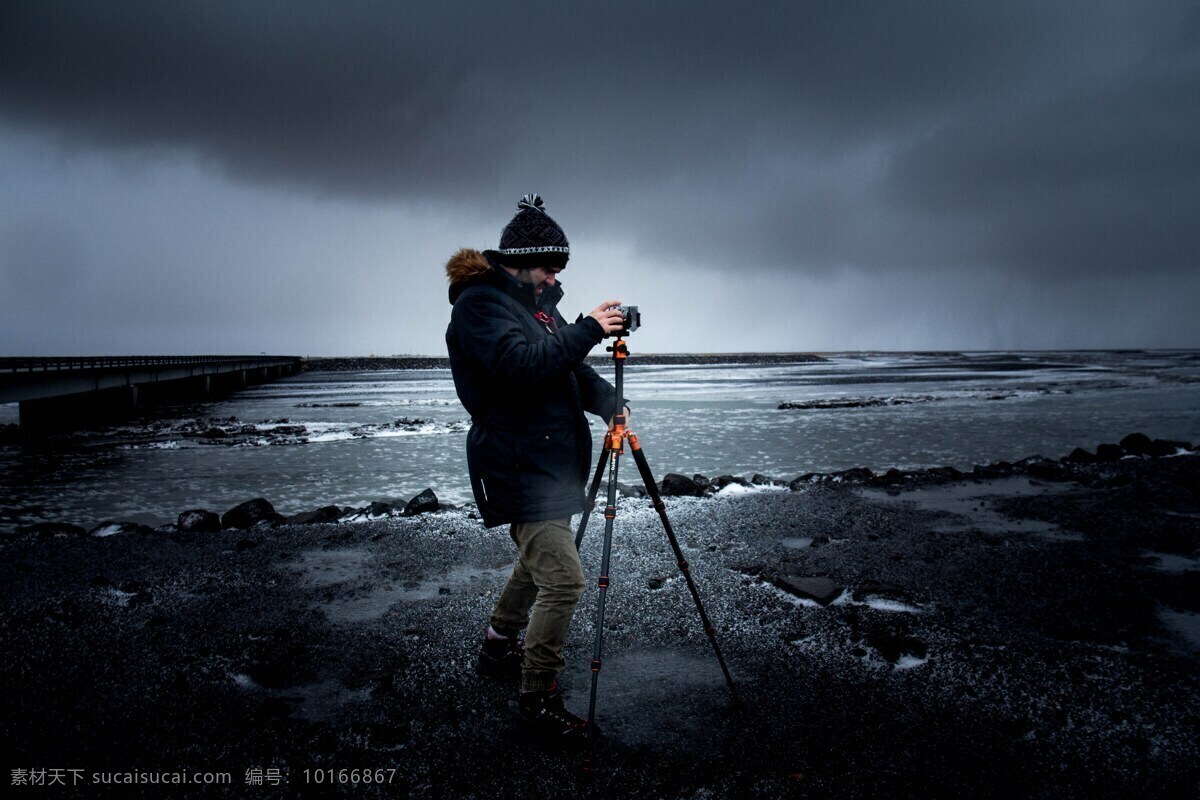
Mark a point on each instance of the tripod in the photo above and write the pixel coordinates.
(613, 448)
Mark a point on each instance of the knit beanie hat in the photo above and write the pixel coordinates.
(532, 239)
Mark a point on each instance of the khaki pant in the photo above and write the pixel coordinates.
(548, 579)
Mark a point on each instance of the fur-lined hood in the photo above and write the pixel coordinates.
(469, 266)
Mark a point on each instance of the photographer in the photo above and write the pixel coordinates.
(518, 369)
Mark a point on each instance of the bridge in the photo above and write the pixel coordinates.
(75, 392)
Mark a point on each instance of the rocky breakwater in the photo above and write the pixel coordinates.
(255, 513)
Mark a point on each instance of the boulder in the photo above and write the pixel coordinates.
(807, 479)
(890, 478)
(380, 509)
(214, 433)
(423, 503)
(945, 473)
(721, 481)
(1047, 470)
(676, 485)
(198, 520)
(822, 590)
(249, 514)
(1137, 444)
(701, 480)
(322, 514)
(1167, 447)
(856, 475)
(626, 490)
(288, 430)
(1079, 456)
(758, 479)
(1109, 452)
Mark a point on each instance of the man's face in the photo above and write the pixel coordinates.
(540, 277)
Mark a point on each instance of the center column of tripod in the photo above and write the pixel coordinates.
(614, 445)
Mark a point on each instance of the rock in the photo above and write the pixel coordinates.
(111, 528)
(214, 433)
(380, 509)
(856, 475)
(412, 422)
(701, 480)
(721, 481)
(322, 514)
(53, 529)
(626, 490)
(288, 430)
(807, 479)
(423, 503)
(945, 473)
(1109, 452)
(893, 647)
(198, 520)
(1079, 456)
(823, 590)
(758, 479)
(890, 478)
(676, 485)
(1000, 469)
(1167, 447)
(1045, 469)
(250, 513)
(1137, 444)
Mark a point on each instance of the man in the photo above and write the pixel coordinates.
(518, 369)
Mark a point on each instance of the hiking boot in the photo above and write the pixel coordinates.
(501, 658)
(545, 715)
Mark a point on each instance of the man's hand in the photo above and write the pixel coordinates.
(609, 318)
(626, 411)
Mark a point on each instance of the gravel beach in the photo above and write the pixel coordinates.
(1027, 630)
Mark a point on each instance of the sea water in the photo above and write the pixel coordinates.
(385, 436)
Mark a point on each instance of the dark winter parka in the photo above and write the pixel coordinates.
(524, 383)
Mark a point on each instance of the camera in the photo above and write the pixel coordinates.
(631, 319)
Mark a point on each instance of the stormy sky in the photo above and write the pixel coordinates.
(232, 177)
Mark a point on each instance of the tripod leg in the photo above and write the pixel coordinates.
(648, 479)
(591, 500)
(610, 515)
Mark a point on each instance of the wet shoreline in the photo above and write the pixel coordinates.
(1000, 634)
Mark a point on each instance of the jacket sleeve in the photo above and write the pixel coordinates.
(598, 395)
(486, 330)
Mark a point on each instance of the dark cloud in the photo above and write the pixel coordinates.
(1051, 139)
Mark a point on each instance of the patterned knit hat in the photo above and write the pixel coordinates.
(532, 238)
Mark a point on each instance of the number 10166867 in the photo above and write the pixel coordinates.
(331, 775)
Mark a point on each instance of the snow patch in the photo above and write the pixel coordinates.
(908, 662)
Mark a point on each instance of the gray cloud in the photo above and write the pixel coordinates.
(1051, 140)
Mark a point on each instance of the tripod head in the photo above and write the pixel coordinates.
(619, 349)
